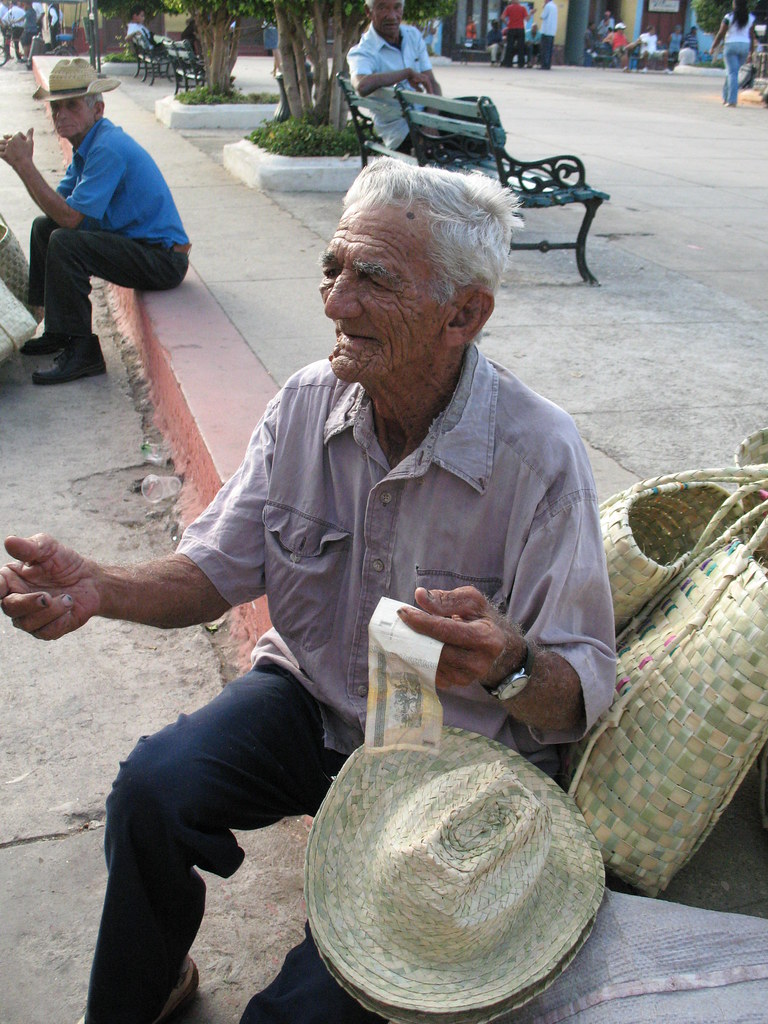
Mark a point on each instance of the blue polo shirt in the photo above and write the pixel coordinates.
(374, 54)
(118, 187)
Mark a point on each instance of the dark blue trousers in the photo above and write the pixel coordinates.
(253, 755)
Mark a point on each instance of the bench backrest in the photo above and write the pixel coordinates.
(447, 132)
(362, 110)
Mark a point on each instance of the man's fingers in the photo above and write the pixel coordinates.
(28, 549)
(474, 634)
(466, 602)
(39, 613)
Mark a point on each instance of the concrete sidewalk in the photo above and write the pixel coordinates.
(663, 367)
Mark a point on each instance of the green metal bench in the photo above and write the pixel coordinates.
(362, 110)
(467, 134)
(188, 69)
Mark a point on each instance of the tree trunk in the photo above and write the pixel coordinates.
(285, 46)
(294, 44)
(219, 43)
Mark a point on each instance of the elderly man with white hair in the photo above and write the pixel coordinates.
(390, 52)
(407, 465)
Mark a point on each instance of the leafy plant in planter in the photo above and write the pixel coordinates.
(204, 96)
(303, 137)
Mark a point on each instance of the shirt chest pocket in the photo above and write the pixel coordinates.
(306, 562)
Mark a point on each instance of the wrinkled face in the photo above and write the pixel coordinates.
(376, 289)
(73, 118)
(386, 16)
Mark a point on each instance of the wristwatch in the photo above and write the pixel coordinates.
(513, 684)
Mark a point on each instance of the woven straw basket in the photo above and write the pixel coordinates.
(649, 532)
(753, 450)
(16, 322)
(691, 712)
(14, 270)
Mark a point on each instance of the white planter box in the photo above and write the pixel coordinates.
(688, 69)
(244, 116)
(114, 69)
(259, 169)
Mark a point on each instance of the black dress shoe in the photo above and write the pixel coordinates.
(45, 345)
(81, 358)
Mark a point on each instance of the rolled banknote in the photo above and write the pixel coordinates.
(404, 711)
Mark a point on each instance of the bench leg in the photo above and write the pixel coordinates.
(590, 209)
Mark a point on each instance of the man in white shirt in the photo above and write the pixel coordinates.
(136, 24)
(648, 45)
(390, 52)
(548, 30)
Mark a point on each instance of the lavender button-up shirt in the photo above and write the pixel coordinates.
(499, 496)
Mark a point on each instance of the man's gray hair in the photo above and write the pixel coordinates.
(369, 4)
(92, 98)
(471, 218)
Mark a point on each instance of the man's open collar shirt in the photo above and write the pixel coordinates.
(499, 496)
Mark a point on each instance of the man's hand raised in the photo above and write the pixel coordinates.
(49, 590)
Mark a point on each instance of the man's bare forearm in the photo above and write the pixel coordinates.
(49, 201)
(169, 593)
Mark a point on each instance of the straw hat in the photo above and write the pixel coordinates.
(449, 888)
(71, 78)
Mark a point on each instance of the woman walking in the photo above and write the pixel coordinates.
(738, 29)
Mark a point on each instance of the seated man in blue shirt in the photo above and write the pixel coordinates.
(388, 53)
(112, 216)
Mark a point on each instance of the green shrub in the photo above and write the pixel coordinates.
(302, 137)
(202, 95)
(124, 56)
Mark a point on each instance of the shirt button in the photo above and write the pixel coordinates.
(378, 565)
(362, 691)
(386, 498)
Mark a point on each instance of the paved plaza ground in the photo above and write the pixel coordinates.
(664, 367)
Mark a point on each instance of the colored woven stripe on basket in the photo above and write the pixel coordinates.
(691, 713)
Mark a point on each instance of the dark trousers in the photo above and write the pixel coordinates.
(515, 45)
(546, 51)
(62, 260)
(253, 755)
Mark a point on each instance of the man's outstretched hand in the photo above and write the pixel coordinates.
(49, 590)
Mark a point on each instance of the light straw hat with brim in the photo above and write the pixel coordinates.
(449, 888)
(72, 78)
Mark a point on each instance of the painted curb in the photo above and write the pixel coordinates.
(259, 169)
(170, 112)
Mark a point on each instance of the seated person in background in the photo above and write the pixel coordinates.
(470, 34)
(136, 27)
(605, 25)
(618, 39)
(390, 52)
(112, 216)
(405, 465)
(189, 35)
(647, 47)
(533, 45)
(691, 41)
(675, 45)
(494, 42)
